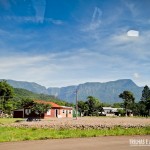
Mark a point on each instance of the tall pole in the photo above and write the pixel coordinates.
(76, 104)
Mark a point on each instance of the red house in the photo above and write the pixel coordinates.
(55, 111)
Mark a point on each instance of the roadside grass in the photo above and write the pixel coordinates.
(8, 134)
(5, 121)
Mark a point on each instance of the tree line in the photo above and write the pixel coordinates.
(91, 107)
(141, 108)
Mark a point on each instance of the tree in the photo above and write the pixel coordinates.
(142, 109)
(128, 99)
(90, 107)
(121, 112)
(148, 106)
(37, 108)
(145, 101)
(81, 106)
(145, 94)
(86, 109)
(40, 108)
(93, 105)
(117, 105)
(26, 103)
(6, 93)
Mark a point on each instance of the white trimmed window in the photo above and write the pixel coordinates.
(27, 111)
(49, 112)
(70, 111)
(63, 111)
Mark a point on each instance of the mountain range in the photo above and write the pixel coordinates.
(106, 92)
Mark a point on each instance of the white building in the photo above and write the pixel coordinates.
(109, 111)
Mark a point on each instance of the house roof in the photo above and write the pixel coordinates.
(107, 107)
(112, 109)
(51, 103)
(66, 107)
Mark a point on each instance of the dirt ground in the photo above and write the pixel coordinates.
(87, 122)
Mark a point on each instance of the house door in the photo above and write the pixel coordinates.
(66, 113)
(56, 112)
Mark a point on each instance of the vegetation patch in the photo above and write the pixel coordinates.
(6, 121)
(21, 134)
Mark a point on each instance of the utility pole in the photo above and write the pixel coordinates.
(76, 104)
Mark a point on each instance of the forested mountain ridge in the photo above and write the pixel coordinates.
(107, 92)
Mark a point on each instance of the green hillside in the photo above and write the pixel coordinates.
(23, 93)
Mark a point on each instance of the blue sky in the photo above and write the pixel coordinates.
(67, 42)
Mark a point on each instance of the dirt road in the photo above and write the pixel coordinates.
(96, 143)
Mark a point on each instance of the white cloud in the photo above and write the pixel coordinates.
(16, 61)
(131, 7)
(133, 33)
(36, 19)
(120, 40)
(67, 68)
(39, 7)
(54, 21)
(136, 75)
(95, 21)
(59, 68)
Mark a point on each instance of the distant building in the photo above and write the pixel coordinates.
(109, 111)
(55, 111)
(1, 113)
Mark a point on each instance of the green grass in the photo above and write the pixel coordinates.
(5, 121)
(21, 134)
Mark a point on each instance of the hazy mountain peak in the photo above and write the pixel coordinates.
(106, 92)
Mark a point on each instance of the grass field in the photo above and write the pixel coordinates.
(8, 134)
(5, 121)
(18, 130)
